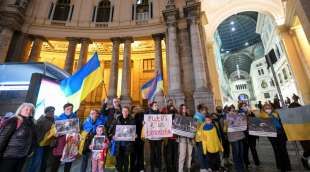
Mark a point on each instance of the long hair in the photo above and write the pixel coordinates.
(23, 105)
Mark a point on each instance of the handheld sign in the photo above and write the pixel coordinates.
(157, 126)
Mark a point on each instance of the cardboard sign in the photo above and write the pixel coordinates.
(125, 133)
(98, 142)
(157, 126)
(236, 122)
(184, 126)
(67, 126)
(261, 127)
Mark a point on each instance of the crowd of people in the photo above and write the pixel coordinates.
(211, 149)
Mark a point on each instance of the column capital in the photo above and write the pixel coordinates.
(192, 10)
(116, 40)
(86, 40)
(171, 16)
(72, 39)
(158, 36)
(127, 39)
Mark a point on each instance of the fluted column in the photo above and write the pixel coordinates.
(201, 92)
(6, 35)
(35, 50)
(159, 97)
(112, 93)
(70, 55)
(83, 52)
(174, 72)
(126, 75)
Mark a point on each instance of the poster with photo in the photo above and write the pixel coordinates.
(67, 126)
(98, 142)
(125, 133)
(261, 127)
(157, 126)
(237, 122)
(184, 126)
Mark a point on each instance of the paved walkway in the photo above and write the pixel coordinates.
(266, 156)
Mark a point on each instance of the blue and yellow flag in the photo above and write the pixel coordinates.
(79, 85)
(296, 122)
(153, 86)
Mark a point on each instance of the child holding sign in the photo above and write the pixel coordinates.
(99, 148)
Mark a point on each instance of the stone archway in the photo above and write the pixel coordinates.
(217, 12)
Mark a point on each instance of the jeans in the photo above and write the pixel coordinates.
(84, 163)
(36, 160)
(250, 143)
(214, 160)
(237, 152)
(279, 147)
(185, 153)
(122, 159)
(171, 155)
(155, 155)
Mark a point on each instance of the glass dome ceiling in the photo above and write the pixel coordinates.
(238, 32)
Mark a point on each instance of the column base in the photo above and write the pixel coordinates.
(178, 97)
(126, 101)
(205, 97)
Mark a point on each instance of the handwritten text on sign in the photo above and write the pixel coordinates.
(157, 125)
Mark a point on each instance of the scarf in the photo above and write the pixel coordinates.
(207, 127)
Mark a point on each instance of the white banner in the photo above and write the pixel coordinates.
(157, 126)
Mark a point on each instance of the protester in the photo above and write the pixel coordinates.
(249, 141)
(200, 118)
(221, 117)
(171, 147)
(17, 138)
(111, 113)
(295, 102)
(211, 144)
(98, 156)
(44, 138)
(59, 143)
(124, 148)
(138, 156)
(236, 141)
(88, 131)
(278, 143)
(185, 145)
(155, 143)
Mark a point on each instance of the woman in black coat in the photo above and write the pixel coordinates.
(17, 138)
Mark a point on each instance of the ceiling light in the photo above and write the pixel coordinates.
(233, 29)
(246, 44)
(227, 51)
(232, 22)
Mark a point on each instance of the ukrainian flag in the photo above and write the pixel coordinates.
(79, 85)
(296, 122)
(153, 86)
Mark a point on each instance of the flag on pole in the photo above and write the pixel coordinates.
(153, 86)
(79, 85)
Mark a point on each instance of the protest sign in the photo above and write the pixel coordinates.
(67, 126)
(236, 122)
(157, 126)
(261, 127)
(184, 126)
(98, 143)
(125, 133)
(71, 148)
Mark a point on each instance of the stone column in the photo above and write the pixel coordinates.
(19, 48)
(83, 52)
(159, 97)
(174, 72)
(201, 93)
(70, 55)
(35, 50)
(126, 75)
(6, 35)
(112, 93)
(303, 12)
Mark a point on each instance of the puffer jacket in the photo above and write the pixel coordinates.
(16, 141)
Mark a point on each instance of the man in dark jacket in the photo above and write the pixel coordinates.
(112, 113)
(124, 148)
(171, 147)
(42, 126)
